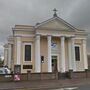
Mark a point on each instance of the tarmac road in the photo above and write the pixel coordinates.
(82, 84)
(84, 87)
(81, 87)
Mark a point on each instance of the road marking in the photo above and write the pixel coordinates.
(71, 88)
(59, 89)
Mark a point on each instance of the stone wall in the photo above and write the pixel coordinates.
(85, 74)
(46, 76)
(29, 76)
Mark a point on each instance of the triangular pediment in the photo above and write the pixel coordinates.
(55, 23)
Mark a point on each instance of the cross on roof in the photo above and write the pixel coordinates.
(55, 14)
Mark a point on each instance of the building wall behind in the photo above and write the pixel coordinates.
(23, 62)
(80, 64)
(44, 52)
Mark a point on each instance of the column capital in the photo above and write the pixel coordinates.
(84, 41)
(37, 36)
(62, 37)
(49, 35)
(18, 37)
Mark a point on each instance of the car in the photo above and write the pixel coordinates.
(4, 70)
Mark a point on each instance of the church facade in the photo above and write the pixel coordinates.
(50, 46)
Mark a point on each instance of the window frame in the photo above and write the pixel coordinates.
(24, 52)
(79, 52)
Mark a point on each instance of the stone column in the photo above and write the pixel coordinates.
(85, 55)
(63, 54)
(18, 50)
(37, 54)
(73, 54)
(5, 56)
(9, 55)
(49, 54)
(70, 54)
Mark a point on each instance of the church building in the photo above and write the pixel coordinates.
(50, 46)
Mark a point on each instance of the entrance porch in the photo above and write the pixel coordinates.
(57, 53)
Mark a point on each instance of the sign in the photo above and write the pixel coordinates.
(16, 77)
(53, 44)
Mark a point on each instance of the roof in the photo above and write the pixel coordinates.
(57, 18)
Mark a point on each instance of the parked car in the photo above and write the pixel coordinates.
(4, 70)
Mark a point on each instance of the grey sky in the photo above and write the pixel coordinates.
(76, 12)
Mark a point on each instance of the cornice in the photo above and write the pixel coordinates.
(81, 33)
(55, 29)
(23, 26)
(23, 29)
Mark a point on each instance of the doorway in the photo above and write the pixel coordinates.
(54, 64)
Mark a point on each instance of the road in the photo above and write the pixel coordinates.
(81, 87)
(84, 87)
(81, 84)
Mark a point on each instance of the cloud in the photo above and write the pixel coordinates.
(13, 12)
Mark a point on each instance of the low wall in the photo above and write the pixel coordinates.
(29, 76)
(88, 74)
(39, 76)
(85, 74)
(8, 77)
(79, 75)
(45, 76)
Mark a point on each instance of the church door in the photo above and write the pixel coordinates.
(54, 63)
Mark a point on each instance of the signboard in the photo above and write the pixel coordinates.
(53, 45)
(16, 77)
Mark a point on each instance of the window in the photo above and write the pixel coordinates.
(77, 53)
(27, 53)
(27, 66)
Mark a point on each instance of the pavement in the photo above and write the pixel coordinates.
(43, 84)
